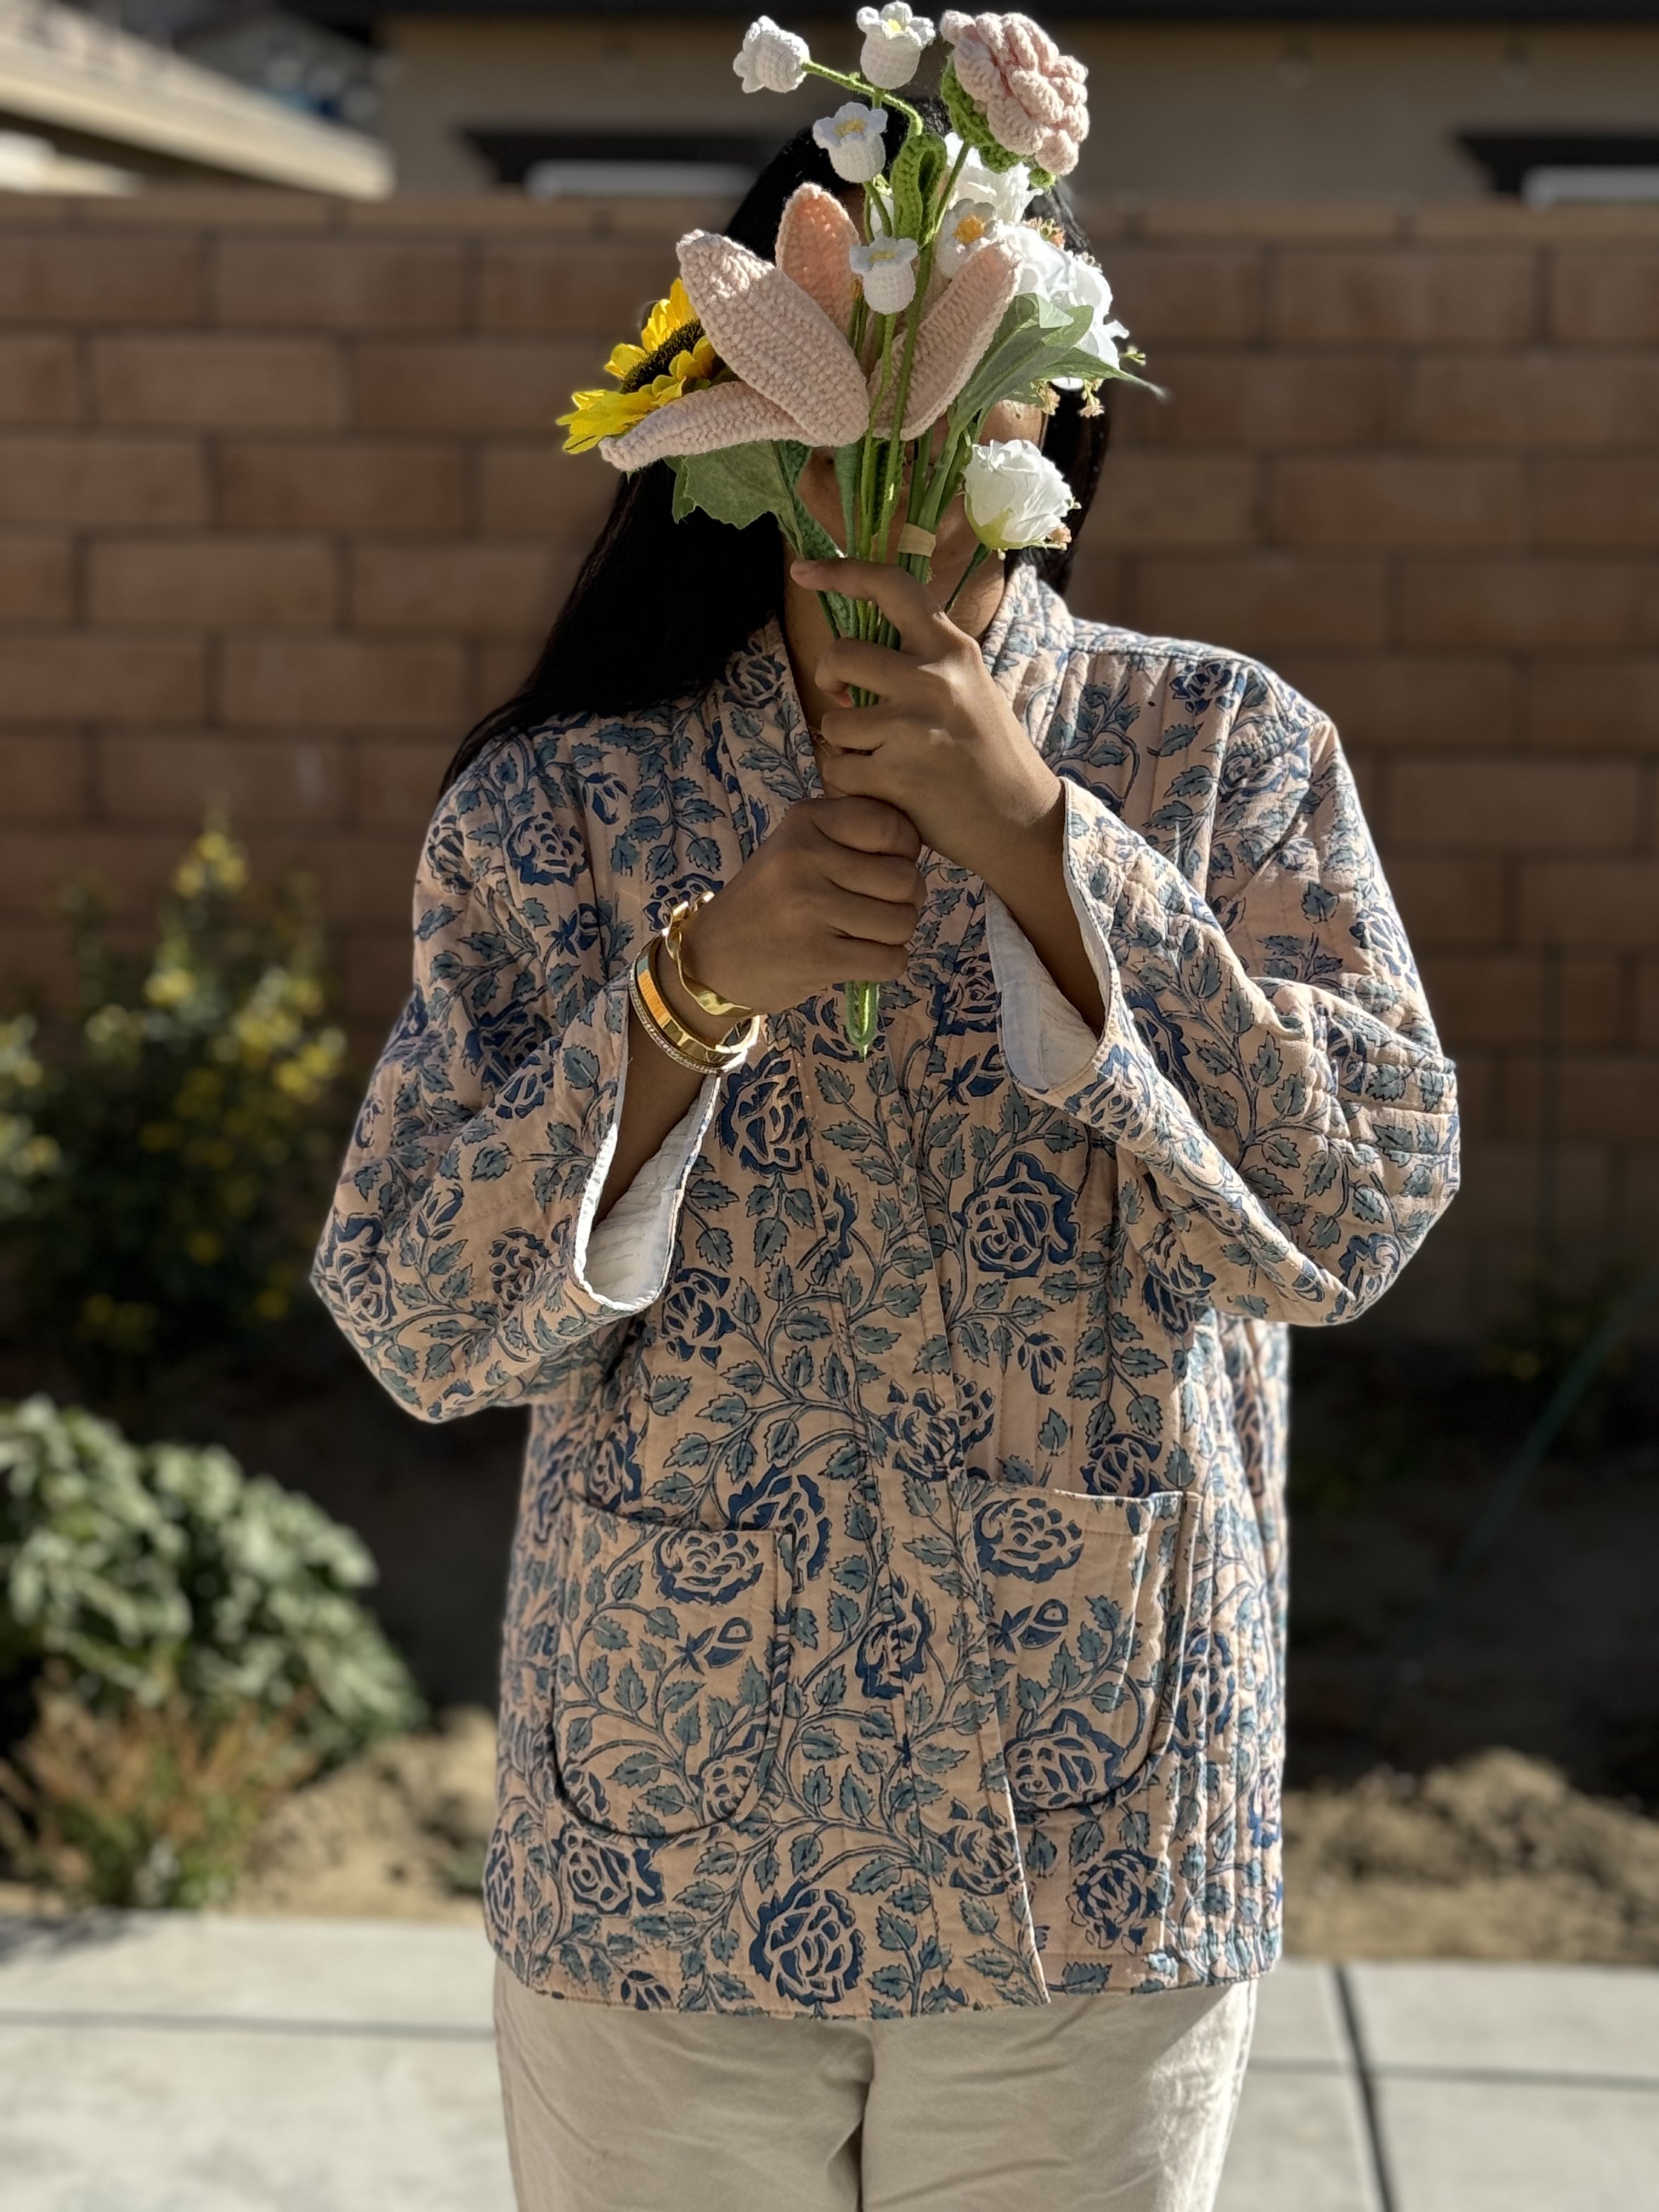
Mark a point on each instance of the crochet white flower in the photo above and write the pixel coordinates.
(967, 223)
(893, 41)
(886, 268)
(852, 138)
(1008, 191)
(772, 59)
(1015, 496)
(1050, 273)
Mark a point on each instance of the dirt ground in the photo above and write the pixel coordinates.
(1496, 1858)
(399, 1835)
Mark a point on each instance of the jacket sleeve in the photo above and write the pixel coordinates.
(455, 1254)
(1285, 1120)
(629, 1251)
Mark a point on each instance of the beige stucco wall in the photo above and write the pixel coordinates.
(1258, 111)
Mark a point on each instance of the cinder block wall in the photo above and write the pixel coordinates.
(280, 509)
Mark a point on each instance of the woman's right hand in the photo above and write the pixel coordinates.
(832, 897)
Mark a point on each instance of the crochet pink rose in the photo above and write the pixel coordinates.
(1033, 95)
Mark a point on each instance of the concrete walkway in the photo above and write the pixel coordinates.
(158, 2062)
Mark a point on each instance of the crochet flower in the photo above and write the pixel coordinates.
(1015, 496)
(772, 59)
(671, 358)
(853, 139)
(1012, 93)
(893, 41)
(1010, 190)
(1050, 273)
(778, 328)
(886, 268)
(967, 223)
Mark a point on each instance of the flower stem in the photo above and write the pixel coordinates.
(861, 1016)
(982, 552)
(956, 171)
(868, 92)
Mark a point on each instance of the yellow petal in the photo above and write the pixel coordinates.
(596, 415)
(668, 316)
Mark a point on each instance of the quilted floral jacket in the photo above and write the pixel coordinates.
(897, 1617)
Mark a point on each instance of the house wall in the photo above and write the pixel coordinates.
(1286, 111)
(281, 510)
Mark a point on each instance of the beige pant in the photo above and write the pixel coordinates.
(1096, 2103)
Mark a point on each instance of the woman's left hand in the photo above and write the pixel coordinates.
(940, 742)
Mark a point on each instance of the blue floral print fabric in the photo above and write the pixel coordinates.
(897, 1614)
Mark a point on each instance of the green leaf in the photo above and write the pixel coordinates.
(1034, 340)
(792, 457)
(810, 539)
(914, 179)
(848, 461)
(737, 485)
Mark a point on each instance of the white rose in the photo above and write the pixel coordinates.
(893, 41)
(967, 223)
(772, 59)
(1050, 273)
(887, 270)
(1015, 496)
(852, 138)
(1008, 191)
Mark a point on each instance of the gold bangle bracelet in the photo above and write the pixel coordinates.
(701, 1059)
(660, 1043)
(669, 1034)
(721, 1010)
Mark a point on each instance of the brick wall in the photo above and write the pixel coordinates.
(279, 512)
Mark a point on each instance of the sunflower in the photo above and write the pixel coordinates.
(673, 358)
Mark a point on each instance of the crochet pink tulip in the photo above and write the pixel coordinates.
(780, 327)
(954, 334)
(815, 242)
(773, 333)
(1033, 95)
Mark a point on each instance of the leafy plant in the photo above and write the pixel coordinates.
(161, 1147)
(164, 1571)
(142, 1804)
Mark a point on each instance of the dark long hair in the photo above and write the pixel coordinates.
(709, 587)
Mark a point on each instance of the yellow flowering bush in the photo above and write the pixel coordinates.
(163, 1146)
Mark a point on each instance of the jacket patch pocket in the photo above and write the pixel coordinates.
(666, 1707)
(1086, 1600)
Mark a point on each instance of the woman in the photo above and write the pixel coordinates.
(891, 1716)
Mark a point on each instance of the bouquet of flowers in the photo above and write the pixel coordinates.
(887, 334)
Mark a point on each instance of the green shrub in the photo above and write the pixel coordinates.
(164, 1570)
(163, 1147)
(142, 1804)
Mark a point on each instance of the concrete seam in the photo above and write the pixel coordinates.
(1382, 2178)
(1490, 2077)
